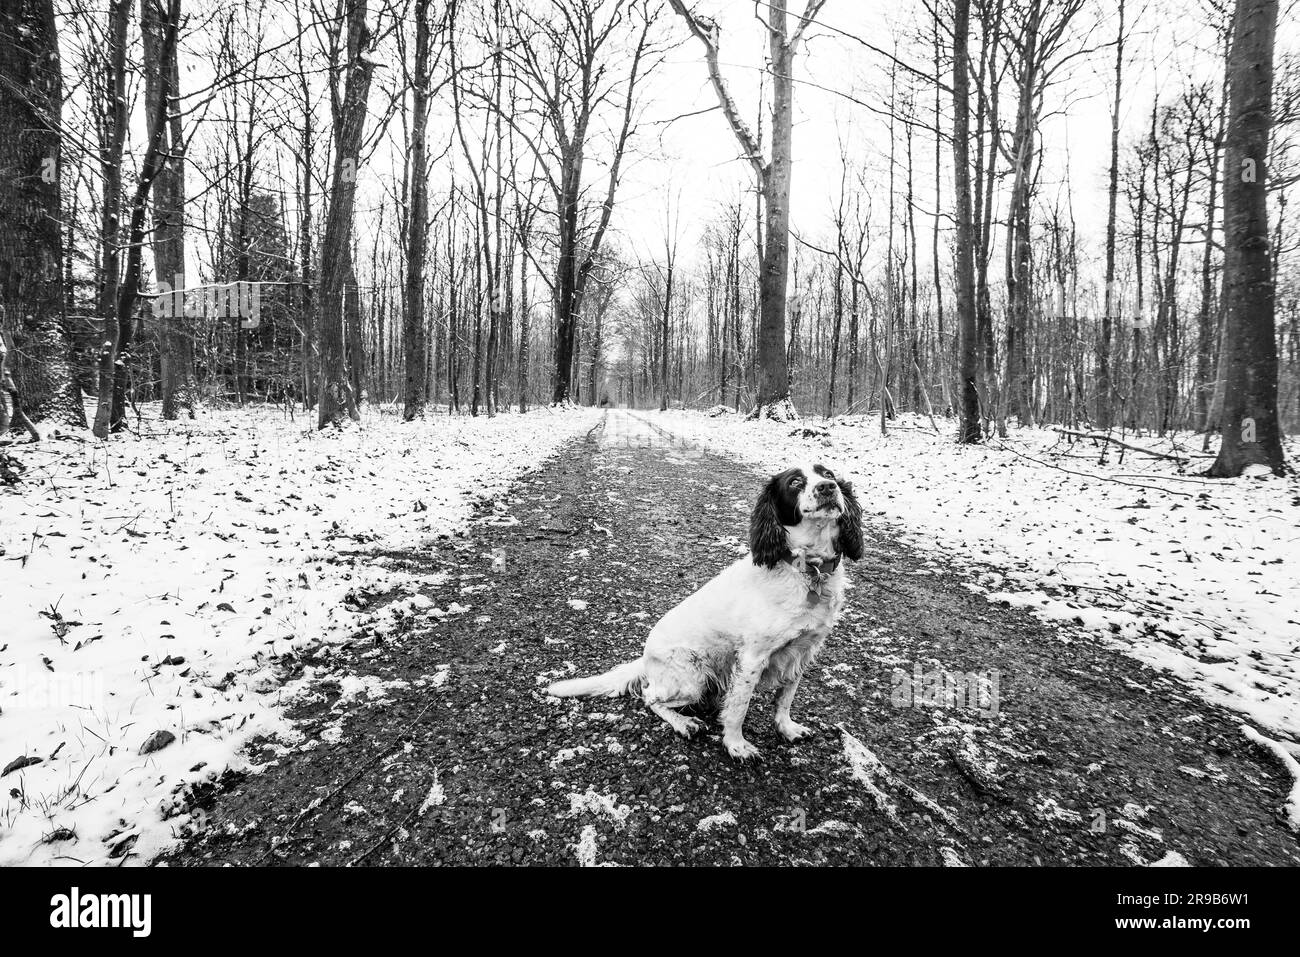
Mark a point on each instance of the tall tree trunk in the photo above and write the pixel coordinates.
(837, 325)
(525, 330)
(1249, 424)
(352, 328)
(593, 369)
(307, 284)
(1104, 387)
(1019, 252)
(663, 336)
(566, 279)
(31, 241)
(413, 326)
(1209, 317)
(854, 335)
(335, 397)
(175, 343)
(738, 340)
(968, 352)
(773, 363)
(111, 146)
(944, 356)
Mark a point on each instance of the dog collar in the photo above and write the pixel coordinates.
(817, 570)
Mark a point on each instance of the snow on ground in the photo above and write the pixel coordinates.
(1198, 577)
(149, 581)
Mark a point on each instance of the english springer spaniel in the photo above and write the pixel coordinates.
(759, 623)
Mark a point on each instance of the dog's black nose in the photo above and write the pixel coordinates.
(825, 488)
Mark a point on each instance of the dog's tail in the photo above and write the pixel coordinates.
(627, 678)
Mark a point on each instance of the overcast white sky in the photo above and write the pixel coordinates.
(698, 158)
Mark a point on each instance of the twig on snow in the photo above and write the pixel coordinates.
(379, 756)
(1098, 478)
(1101, 437)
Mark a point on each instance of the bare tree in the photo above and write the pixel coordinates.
(524, 215)
(1039, 42)
(120, 320)
(1210, 313)
(1248, 367)
(968, 348)
(575, 91)
(335, 397)
(168, 210)
(671, 224)
(1111, 300)
(413, 322)
(773, 178)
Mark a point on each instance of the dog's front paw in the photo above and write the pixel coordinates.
(740, 749)
(690, 727)
(793, 731)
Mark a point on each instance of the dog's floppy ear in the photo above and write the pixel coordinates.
(767, 545)
(850, 537)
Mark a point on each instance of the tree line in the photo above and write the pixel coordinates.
(324, 203)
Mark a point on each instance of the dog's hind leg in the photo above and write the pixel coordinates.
(686, 727)
(673, 681)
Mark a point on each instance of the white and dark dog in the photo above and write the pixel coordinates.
(756, 625)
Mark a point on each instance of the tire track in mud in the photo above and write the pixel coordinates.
(432, 743)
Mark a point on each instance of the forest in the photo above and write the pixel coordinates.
(1023, 212)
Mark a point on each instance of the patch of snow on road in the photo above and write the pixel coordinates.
(585, 849)
(367, 686)
(434, 798)
(951, 858)
(598, 805)
(568, 754)
(867, 770)
(1050, 810)
(713, 821)
(832, 828)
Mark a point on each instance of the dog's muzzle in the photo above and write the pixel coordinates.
(827, 495)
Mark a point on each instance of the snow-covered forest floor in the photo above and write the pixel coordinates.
(149, 583)
(170, 596)
(1198, 577)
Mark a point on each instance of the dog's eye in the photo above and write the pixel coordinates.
(830, 475)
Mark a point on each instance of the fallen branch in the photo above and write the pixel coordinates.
(415, 812)
(1149, 607)
(405, 735)
(1098, 437)
(1098, 478)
